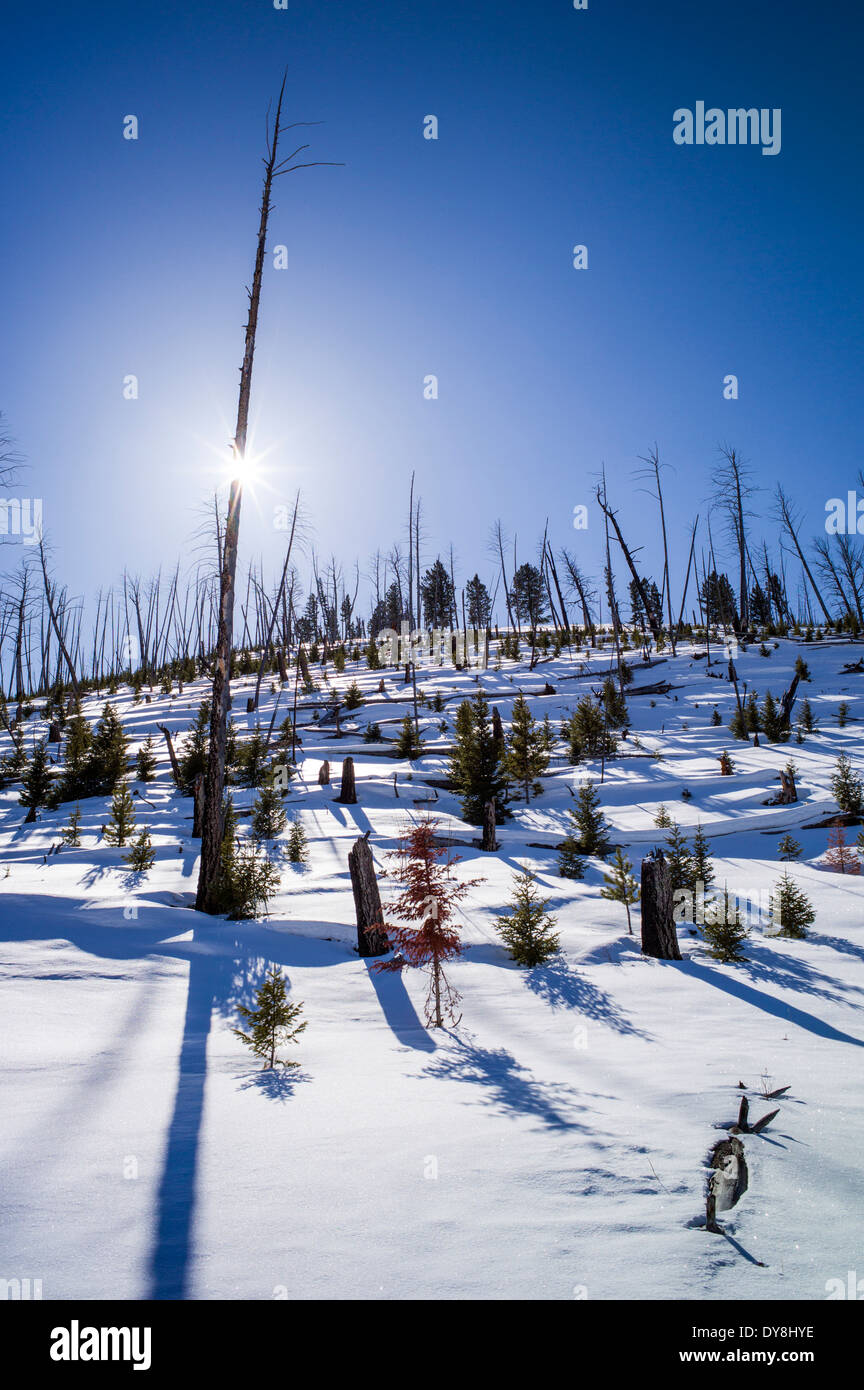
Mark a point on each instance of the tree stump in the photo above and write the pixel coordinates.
(659, 937)
(55, 733)
(381, 686)
(788, 790)
(324, 774)
(283, 670)
(347, 789)
(367, 901)
(488, 841)
(197, 806)
(728, 1181)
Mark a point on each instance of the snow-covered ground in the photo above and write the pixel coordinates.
(551, 1146)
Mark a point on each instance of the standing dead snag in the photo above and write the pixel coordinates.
(429, 899)
(659, 937)
(371, 935)
(347, 787)
(214, 779)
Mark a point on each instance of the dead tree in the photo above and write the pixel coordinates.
(198, 806)
(728, 1180)
(324, 774)
(214, 781)
(659, 937)
(347, 788)
(488, 841)
(654, 621)
(371, 934)
(175, 767)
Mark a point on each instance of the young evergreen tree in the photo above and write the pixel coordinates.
(771, 720)
(620, 885)
(789, 848)
(592, 828)
(571, 864)
(662, 818)
(526, 757)
(36, 786)
(408, 745)
(477, 766)
(703, 869)
(145, 761)
(246, 880)
(679, 859)
(847, 788)
(842, 714)
(727, 767)
(273, 1023)
(614, 705)
(297, 846)
(142, 855)
(121, 822)
(74, 781)
(353, 696)
(806, 722)
(71, 835)
(791, 910)
(268, 813)
(251, 760)
(108, 761)
(528, 931)
(587, 733)
(724, 931)
(193, 754)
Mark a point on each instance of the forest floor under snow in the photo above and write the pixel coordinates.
(553, 1145)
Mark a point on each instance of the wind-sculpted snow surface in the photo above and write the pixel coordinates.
(555, 1144)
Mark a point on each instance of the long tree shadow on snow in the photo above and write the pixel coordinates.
(563, 988)
(730, 985)
(398, 1009)
(509, 1086)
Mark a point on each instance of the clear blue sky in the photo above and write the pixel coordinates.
(450, 257)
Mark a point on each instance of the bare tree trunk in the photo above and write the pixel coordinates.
(488, 841)
(659, 937)
(214, 784)
(175, 768)
(367, 901)
(347, 787)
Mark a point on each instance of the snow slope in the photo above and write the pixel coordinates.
(551, 1146)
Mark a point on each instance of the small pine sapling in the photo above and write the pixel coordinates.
(121, 822)
(142, 855)
(145, 761)
(528, 931)
(297, 844)
(789, 849)
(723, 929)
(273, 1023)
(791, 910)
(71, 835)
(620, 885)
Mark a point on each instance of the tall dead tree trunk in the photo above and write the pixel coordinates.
(214, 779)
(367, 901)
(653, 623)
(659, 937)
(172, 756)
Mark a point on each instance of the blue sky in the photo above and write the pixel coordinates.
(450, 257)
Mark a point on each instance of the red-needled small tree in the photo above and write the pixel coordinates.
(427, 904)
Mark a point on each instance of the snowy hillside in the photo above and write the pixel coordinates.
(555, 1143)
